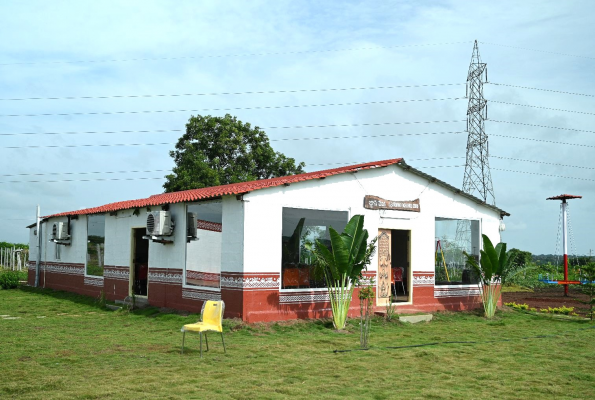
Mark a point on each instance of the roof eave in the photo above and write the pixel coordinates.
(433, 179)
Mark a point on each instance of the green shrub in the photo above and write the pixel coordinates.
(517, 306)
(10, 279)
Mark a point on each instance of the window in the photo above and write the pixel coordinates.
(453, 237)
(57, 248)
(302, 226)
(203, 256)
(95, 244)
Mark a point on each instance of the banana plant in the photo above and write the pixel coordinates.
(493, 268)
(343, 264)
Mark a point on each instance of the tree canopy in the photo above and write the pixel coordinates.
(221, 150)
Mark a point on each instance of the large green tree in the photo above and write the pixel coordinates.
(222, 150)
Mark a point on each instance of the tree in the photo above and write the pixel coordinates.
(343, 264)
(221, 150)
(493, 268)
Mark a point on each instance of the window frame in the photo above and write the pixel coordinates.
(480, 230)
(87, 246)
(324, 289)
(197, 287)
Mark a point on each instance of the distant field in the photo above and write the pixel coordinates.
(63, 346)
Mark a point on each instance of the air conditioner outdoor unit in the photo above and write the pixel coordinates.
(59, 231)
(159, 223)
(191, 225)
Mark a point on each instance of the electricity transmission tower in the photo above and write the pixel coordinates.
(478, 179)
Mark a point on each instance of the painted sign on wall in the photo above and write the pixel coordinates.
(378, 203)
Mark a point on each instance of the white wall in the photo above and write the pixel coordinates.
(233, 234)
(76, 252)
(345, 192)
(204, 254)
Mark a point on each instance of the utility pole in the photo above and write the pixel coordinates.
(564, 205)
(38, 219)
(477, 180)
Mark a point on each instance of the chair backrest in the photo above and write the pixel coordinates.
(212, 312)
(398, 274)
(291, 277)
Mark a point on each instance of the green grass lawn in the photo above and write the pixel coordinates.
(63, 346)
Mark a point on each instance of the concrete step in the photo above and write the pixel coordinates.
(413, 319)
(139, 302)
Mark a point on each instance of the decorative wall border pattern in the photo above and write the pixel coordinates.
(250, 282)
(457, 292)
(304, 298)
(165, 276)
(194, 295)
(117, 273)
(94, 281)
(367, 278)
(67, 269)
(423, 279)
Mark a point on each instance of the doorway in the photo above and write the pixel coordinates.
(400, 265)
(139, 270)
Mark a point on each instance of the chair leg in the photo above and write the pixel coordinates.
(183, 336)
(200, 335)
(403, 285)
(207, 341)
(223, 341)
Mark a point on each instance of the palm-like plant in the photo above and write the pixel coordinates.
(493, 267)
(343, 264)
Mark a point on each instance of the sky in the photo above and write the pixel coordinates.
(63, 64)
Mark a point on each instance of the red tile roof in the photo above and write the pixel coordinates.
(223, 190)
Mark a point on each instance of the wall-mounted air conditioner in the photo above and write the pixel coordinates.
(60, 231)
(191, 226)
(159, 223)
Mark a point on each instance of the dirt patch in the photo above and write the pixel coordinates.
(550, 297)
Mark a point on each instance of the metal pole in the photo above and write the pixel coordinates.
(565, 244)
(38, 248)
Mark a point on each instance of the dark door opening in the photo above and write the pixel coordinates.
(140, 262)
(400, 265)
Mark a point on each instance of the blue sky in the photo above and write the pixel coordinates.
(207, 47)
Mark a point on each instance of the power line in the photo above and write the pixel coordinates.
(534, 106)
(304, 138)
(232, 109)
(88, 173)
(539, 51)
(542, 126)
(156, 178)
(271, 140)
(230, 93)
(87, 145)
(542, 162)
(86, 180)
(307, 164)
(537, 173)
(542, 90)
(235, 55)
(269, 127)
(149, 178)
(544, 141)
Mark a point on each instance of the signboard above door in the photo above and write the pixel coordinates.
(378, 203)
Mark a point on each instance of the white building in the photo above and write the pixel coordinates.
(250, 249)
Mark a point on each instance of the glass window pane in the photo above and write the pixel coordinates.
(203, 256)
(300, 227)
(453, 237)
(95, 244)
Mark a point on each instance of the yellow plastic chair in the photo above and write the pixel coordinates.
(212, 318)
